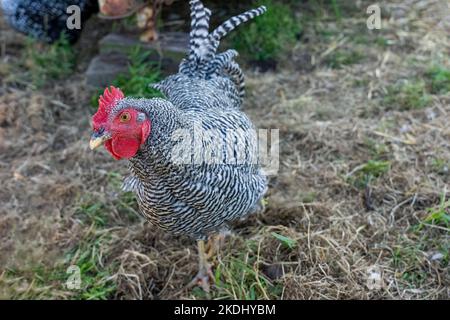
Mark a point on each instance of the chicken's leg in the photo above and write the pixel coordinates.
(204, 274)
(216, 242)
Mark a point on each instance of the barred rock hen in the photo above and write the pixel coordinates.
(187, 193)
(45, 20)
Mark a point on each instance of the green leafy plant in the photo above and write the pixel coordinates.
(286, 241)
(49, 62)
(439, 215)
(136, 82)
(141, 73)
(439, 78)
(362, 175)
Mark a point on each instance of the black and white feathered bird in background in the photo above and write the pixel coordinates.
(46, 20)
(183, 192)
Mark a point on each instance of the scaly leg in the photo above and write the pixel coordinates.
(215, 242)
(204, 274)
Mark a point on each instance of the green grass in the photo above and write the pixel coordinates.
(308, 197)
(368, 172)
(369, 40)
(43, 282)
(439, 79)
(439, 215)
(268, 36)
(440, 166)
(49, 62)
(416, 93)
(375, 168)
(286, 241)
(96, 280)
(93, 213)
(408, 96)
(238, 276)
(377, 150)
(341, 58)
(89, 252)
(141, 73)
(381, 42)
(408, 259)
(34, 282)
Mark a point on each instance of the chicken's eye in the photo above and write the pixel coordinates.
(125, 117)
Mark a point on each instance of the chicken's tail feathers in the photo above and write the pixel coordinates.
(200, 16)
(202, 61)
(231, 24)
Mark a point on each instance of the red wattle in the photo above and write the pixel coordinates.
(108, 146)
(128, 144)
(125, 147)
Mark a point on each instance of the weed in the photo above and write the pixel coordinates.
(336, 9)
(341, 58)
(439, 215)
(375, 168)
(237, 278)
(308, 197)
(39, 282)
(364, 174)
(93, 213)
(377, 150)
(408, 96)
(135, 83)
(439, 78)
(286, 241)
(96, 280)
(127, 207)
(141, 73)
(50, 62)
(407, 259)
(440, 166)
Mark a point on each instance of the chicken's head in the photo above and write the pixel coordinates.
(122, 130)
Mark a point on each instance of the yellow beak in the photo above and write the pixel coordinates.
(97, 140)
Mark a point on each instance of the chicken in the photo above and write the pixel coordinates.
(45, 20)
(191, 154)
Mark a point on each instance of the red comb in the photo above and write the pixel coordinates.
(105, 104)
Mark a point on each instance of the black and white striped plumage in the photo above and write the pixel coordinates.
(45, 20)
(199, 198)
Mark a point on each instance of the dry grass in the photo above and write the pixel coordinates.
(359, 190)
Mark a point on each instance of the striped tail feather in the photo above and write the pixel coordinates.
(230, 25)
(202, 61)
(199, 28)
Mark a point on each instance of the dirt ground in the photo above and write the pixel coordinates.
(348, 214)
